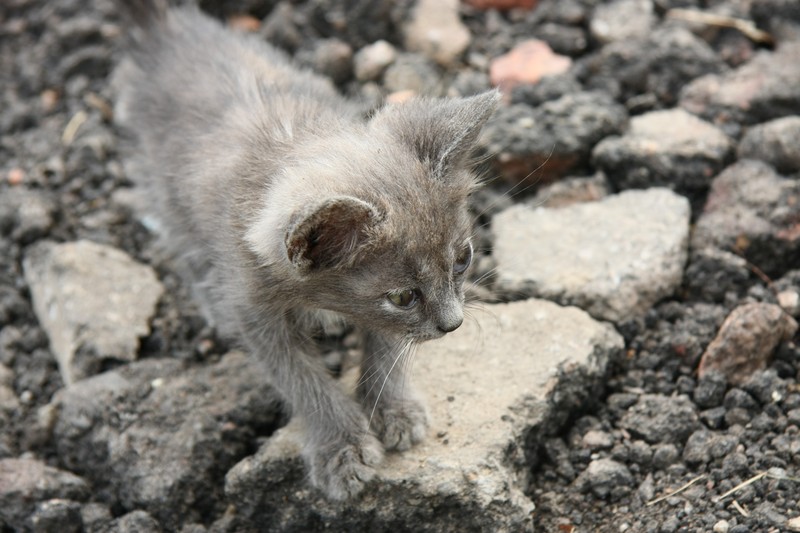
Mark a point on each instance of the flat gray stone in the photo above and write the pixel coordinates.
(93, 301)
(614, 258)
(669, 148)
(494, 387)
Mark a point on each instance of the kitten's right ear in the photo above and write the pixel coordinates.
(330, 233)
(442, 131)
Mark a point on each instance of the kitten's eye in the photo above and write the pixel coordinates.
(405, 299)
(463, 260)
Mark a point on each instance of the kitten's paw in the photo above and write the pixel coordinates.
(400, 425)
(341, 470)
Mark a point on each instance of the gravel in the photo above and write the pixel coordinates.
(158, 433)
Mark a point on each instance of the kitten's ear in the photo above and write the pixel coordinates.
(330, 233)
(441, 132)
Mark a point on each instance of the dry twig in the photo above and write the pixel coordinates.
(711, 19)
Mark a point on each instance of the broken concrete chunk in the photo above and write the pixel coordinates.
(93, 301)
(494, 388)
(614, 258)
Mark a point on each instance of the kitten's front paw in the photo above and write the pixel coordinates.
(342, 469)
(400, 424)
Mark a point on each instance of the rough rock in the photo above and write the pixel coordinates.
(546, 89)
(436, 31)
(25, 214)
(370, 62)
(527, 362)
(330, 57)
(541, 144)
(159, 436)
(93, 301)
(614, 258)
(412, 72)
(23, 482)
(528, 62)
(660, 419)
(563, 39)
(762, 89)
(603, 476)
(775, 142)
(713, 275)
(570, 191)
(57, 516)
(746, 341)
(622, 19)
(753, 211)
(659, 64)
(665, 148)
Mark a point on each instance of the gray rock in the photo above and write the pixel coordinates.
(696, 450)
(26, 214)
(746, 341)
(661, 419)
(436, 31)
(93, 301)
(614, 258)
(544, 143)
(710, 390)
(568, 40)
(370, 62)
(664, 455)
(546, 89)
(714, 274)
(751, 211)
(570, 191)
(159, 436)
(413, 72)
(775, 142)
(524, 361)
(665, 148)
(762, 89)
(133, 522)
(659, 64)
(602, 476)
(24, 482)
(330, 57)
(622, 19)
(57, 516)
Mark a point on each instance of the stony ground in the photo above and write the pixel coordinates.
(645, 168)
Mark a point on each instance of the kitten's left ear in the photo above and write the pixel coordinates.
(330, 233)
(441, 132)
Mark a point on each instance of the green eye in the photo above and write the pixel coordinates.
(405, 299)
(463, 260)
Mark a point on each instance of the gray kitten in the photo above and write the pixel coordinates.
(290, 209)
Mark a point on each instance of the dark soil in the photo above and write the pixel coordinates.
(658, 427)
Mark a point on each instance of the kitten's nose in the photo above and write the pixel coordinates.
(447, 327)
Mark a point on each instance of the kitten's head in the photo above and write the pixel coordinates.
(391, 247)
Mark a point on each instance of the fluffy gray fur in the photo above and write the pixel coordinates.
(288, 207)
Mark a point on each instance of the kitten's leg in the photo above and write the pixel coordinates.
(340, 451)
(396, 414)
